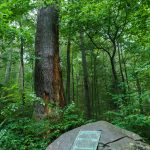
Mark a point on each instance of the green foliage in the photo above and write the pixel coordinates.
(19, 133)
(18, 129)
(130, 118)
(26, 133)
(72, 117)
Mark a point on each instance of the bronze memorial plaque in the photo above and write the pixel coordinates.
(86, 140)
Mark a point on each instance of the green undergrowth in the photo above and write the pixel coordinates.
(24, 133)
(130, 118)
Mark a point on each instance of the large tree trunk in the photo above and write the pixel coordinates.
(85, 76)
(48, 79)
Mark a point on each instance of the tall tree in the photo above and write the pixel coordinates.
(21, 74)
(21, 80)
(8, 68)
(48, 79)
(85, 76)
(68, 70)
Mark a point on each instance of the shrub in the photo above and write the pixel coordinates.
(24, 133)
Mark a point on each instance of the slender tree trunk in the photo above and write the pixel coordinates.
(85, 76)
(125, 71)
(139, 90)
(120, 65)
(48, 78)
(68, 71)
(32, 82)
(115, 88)
(112, 61)
(123, 86)
(92, 84)
(8, 68)
(22, 88)
(104, 76)
(114, 73)
(77, 91)
(95, 87)
(113, 66)
(72, 79)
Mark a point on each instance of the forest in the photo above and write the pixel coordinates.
(65, 63)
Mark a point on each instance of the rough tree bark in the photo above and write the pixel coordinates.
(48, 79)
